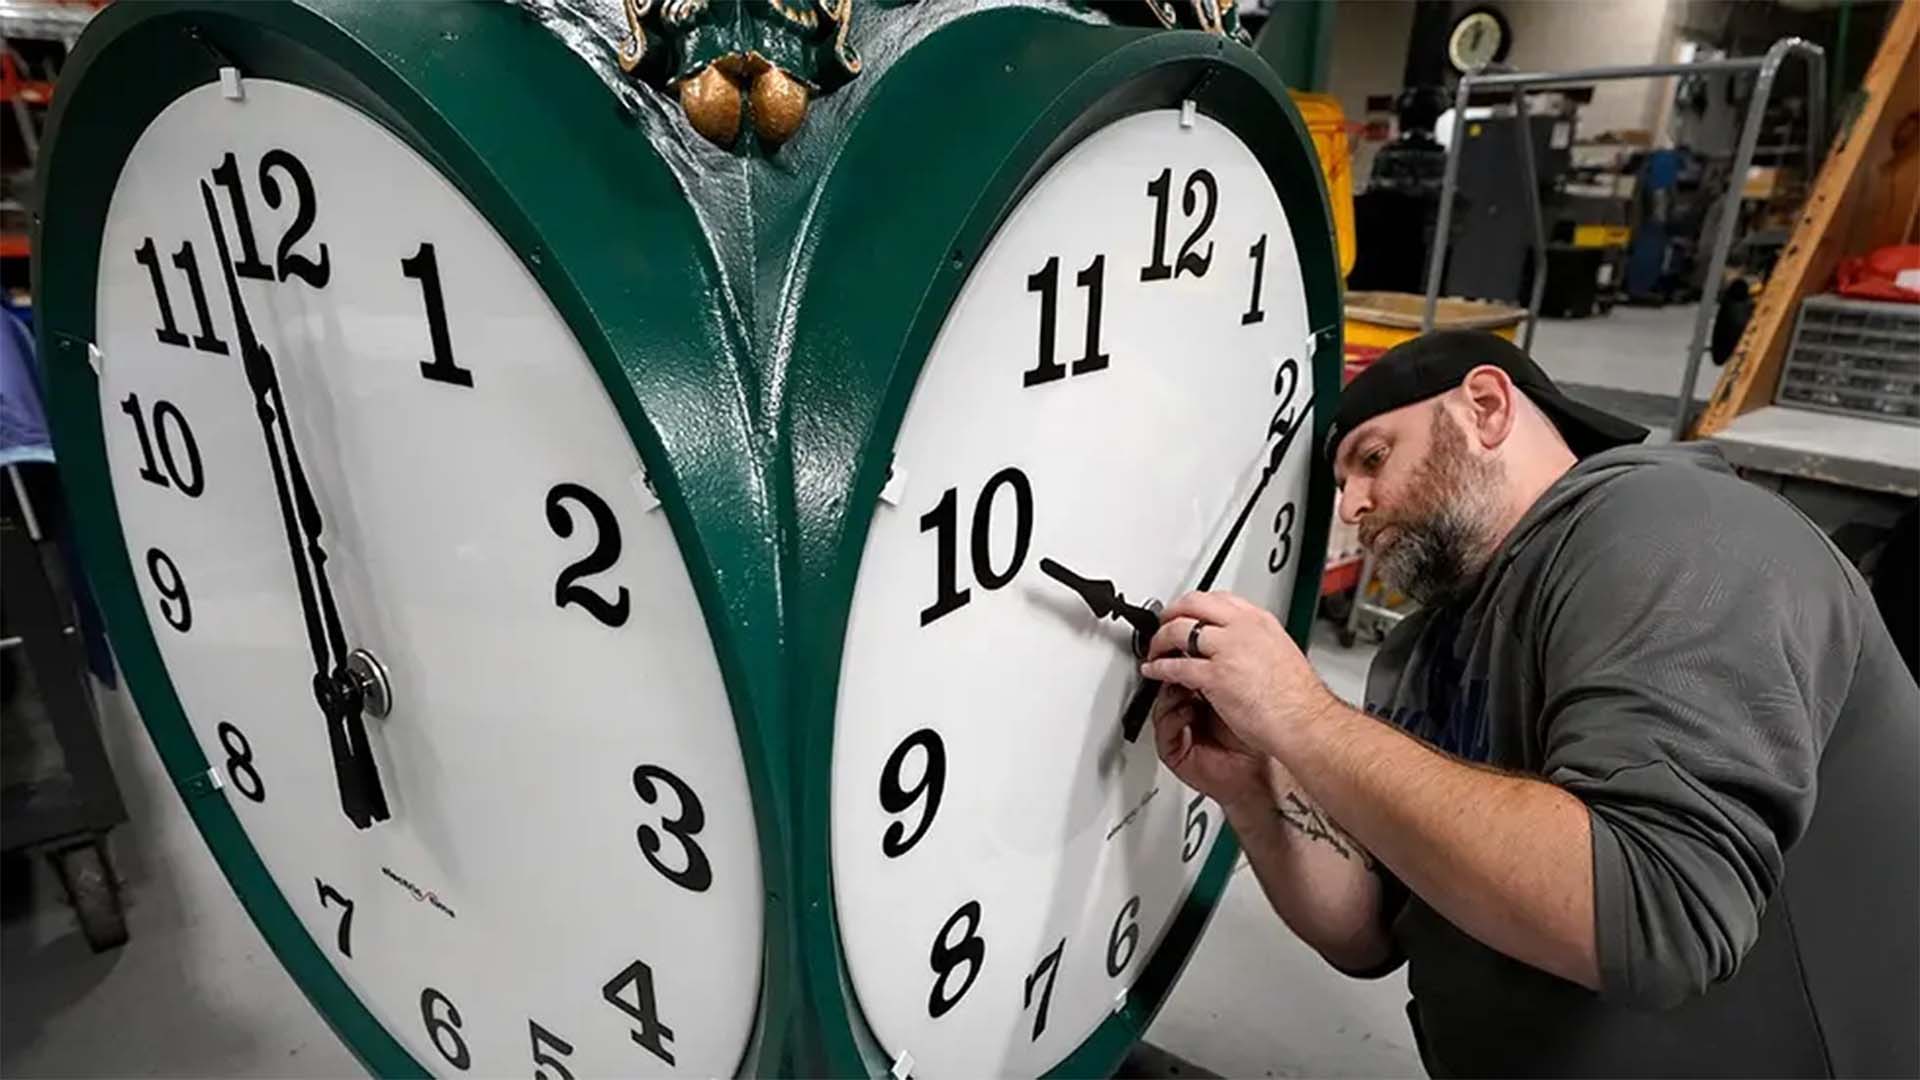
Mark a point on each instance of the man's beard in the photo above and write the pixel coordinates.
(1442, 539)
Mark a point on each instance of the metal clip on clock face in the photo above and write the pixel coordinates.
(589, 654)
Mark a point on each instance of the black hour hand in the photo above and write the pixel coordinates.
(1107, 602)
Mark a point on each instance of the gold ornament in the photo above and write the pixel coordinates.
(712, 104)
(779, 105)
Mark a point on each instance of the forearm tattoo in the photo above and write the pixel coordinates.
(1307, 819)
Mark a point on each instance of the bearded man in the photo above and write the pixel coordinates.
(1635, 790)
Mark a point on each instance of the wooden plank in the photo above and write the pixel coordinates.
(1847, 206)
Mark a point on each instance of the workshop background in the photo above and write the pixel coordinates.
(1731, 256)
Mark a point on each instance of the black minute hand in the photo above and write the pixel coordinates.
(1141, 704)
(1274, 460)
(360, 794)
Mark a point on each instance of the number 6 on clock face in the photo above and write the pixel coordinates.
(1102, 394)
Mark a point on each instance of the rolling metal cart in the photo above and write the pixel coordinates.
(57, 791)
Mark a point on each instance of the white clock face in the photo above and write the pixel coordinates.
(1475, 41)
(1106, 393)
(569, 877)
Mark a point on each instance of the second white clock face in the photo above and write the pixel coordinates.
(1475, 41)
(1106, 393)
(569, 880)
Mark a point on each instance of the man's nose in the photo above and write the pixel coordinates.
(1356, 500)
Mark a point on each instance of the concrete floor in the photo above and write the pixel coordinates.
(1627, 362)
(197, 993)
(1637, 350)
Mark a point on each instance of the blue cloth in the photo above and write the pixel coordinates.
(1663, 170)
(23, 420)
(24, 440)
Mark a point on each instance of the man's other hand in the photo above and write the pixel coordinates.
(1204, 753)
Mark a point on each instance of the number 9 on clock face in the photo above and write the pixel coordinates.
(1117, 370)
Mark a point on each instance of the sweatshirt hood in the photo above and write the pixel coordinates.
(1596, 471)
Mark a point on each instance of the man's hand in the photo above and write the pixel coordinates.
(1205, 754)
(1508, 859)
(1317, 878)
(1256, 680)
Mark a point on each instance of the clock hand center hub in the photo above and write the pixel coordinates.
(361, 688)
(369, 677)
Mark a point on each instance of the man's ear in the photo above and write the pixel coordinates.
(1492, 402)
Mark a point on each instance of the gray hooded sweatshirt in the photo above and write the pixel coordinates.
(1691, 657)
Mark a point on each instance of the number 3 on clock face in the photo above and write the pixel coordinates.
(485, 540)
(1104, 392)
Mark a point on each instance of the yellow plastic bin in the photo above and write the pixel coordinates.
(1327, 125)
(1377, 321)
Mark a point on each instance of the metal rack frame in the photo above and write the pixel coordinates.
(1522, 83)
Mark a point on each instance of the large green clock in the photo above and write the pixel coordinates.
(616, 604)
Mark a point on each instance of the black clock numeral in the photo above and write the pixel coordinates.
(287, 262)
(943, 519)
(227, 175)
(1282, 549)
(445, 1031)
(697, 875)
(1051, 965)
(1126, 928)
(945, 957)
(1190, 261)
(1160, 189)
(169, 331)
(1285, 382)
(1046, 282)
(1092, 278)
(171, 427)
(606, 552)
(653, 1034)
(206, 340)
(424, 267)
(983, 570)
(180, 614)
(1190, 839)
(240, 770)
(149, 256)
(542, 1041)
(344, 936)
(1258, 252)
(895, 798)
